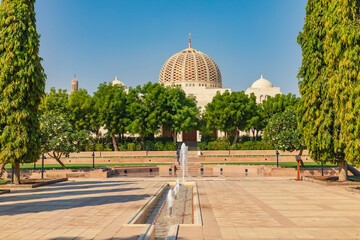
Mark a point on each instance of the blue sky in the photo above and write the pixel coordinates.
(132, 39)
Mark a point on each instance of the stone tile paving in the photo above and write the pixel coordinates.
(245, 208)
(82, 210)
(279, 208)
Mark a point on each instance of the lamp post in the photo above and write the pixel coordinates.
(42, 165)
(322, 169)
(277, 158)
(93, 155)
(229, 149)
(12, 174)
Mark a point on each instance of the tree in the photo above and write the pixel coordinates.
(145, 108)
(230, 113)
(55, 102)
(181, 112)
(22, 83)
(80, 110)
(59, 138)
(110, 110)
(256, 122)
(329, 82)
(282, 132)
(277, 104)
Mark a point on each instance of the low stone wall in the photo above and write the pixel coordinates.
(250, 152)
(105, 160)
(63, 173)
(171, 157)
(195, 170)
(173, 160)
(203, 159)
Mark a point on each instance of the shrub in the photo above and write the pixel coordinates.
(131, 146)
(216, 145)
(122, 146)
(138, 147)
(170, 146)
(159, 146)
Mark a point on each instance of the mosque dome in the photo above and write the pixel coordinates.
(262, 83)
(190, 67)
(116, 81)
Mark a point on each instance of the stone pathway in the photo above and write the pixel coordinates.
(245, 208)
(81, 210)
(275, 208)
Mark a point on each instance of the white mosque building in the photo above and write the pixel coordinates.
(198, 75)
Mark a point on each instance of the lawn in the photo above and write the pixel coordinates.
(83, 165)
(4, 181)
(282, 164)
(355, 178)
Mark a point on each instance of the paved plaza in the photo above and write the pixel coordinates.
(244, 208)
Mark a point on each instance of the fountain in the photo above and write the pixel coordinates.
(177, 187)
(170, 201)
(173, 204)
(184, 160)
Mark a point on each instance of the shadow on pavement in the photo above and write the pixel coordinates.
(63, 204)
(29, 196)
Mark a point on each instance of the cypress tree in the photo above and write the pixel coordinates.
(22, 82)
(329, 82)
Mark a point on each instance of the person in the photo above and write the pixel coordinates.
(178, 154)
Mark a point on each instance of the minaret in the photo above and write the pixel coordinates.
(189, 40)
(74, 84)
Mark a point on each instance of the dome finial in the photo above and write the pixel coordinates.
(189, 40)
(262, 76)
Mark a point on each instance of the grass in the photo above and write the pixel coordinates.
(83, 165)
(355, 178)
(282, 164)
(4, 181)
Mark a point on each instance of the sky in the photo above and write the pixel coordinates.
(132, 39)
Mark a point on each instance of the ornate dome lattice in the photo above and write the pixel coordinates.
(190, 67)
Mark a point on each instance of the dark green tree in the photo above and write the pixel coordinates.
(181, 112)
(145, 108)
(22, 83)
(329, 82)
(230, 113)
(110, 104)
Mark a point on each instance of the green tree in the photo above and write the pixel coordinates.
(145, 108)
(277, 104)
(59, 138)
(22, 83)
(55, 102)
(329, 82)
(230, 113)
(181, 112)
(256, 122)
(282, 132)
(81, 111)
(110, 104)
